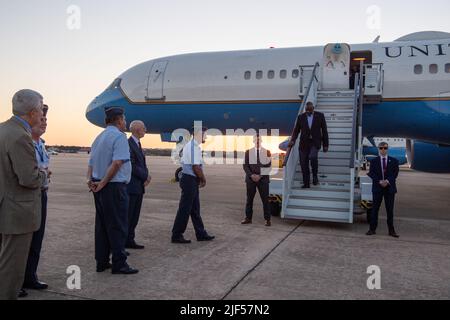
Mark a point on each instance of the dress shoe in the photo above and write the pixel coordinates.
(268, 223)
(306, 186)
(181, 241)
(22, 293)
(316, 181)
(393, 234)
(37, 285)
(103, 267)
(371, 233)
(246, 221)
(135, 246)
(206, 238)
(125, 270)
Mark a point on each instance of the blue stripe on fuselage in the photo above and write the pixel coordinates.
(422, 120)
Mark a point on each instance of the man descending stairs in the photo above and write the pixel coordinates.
(314, 134)
(330, 198)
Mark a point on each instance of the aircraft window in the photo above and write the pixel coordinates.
(295, 73)
(271, 74)
(283, 74)
(447, 68)
(259, 75)
(434, 68)
(247, 75)
(418, 69)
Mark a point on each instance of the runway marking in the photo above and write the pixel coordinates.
(65, 295)
(263, 259)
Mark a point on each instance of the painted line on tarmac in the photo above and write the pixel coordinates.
(262, 260)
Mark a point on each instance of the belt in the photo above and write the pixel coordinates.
(118, 182)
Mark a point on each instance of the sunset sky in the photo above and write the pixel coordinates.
(70, 67)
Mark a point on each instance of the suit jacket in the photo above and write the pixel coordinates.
(21, 180)
(318, 131)
(139, 173)
(253, 164)
(376, 173)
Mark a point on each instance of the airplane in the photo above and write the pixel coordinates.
(259, 89)
(397, 148)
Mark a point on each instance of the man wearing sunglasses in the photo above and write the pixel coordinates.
(384, 172)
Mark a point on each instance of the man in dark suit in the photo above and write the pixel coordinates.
(140, 179)
(257, 168)
(314, 134)
(384, 172)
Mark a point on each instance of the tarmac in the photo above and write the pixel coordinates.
(289, 261)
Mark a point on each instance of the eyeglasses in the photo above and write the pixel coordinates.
(383, 148)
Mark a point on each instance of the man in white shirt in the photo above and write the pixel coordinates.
(192, 180)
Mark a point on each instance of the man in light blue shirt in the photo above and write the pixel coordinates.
(192, 180)
(109, 173)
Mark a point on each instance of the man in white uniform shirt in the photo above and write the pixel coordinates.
(192, 180)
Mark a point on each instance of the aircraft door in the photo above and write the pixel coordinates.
(155, 88)
(335, 67)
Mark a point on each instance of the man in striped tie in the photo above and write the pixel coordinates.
(384, 171)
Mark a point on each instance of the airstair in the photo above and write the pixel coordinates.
(335, 198)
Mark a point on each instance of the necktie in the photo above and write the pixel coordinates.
(384, 167)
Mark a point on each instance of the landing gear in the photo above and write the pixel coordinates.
(275, 205)
(178, 174)
(368, 215)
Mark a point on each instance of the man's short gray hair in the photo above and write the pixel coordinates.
(135, 124)
(25, 101)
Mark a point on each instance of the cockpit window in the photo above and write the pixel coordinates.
(115, 84)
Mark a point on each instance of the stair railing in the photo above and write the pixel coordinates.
(292, 158)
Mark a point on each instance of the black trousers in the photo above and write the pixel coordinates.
(263, 189)
(389, 200)
(36, 244)
(309, 154)
(134, 212)
(111, 224)
(189, 206)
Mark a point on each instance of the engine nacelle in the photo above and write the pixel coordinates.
(426, 157)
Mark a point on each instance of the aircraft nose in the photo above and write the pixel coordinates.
(95, 112)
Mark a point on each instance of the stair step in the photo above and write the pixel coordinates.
(340, 124)
(339, 148)
(323, 193)
(334, 155)
(333, 135)
(326, 170)
(313, 202)
(334, 162)
(337, 113)
(333, 185)
(326, 176)
(336, 93)
(339, 142)
(332, 115)
(338, 119)
(318, 214)
(348, 129)
(333, 104)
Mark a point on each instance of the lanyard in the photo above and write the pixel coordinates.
(39, 150)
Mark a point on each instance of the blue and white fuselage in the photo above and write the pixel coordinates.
(258, 89)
